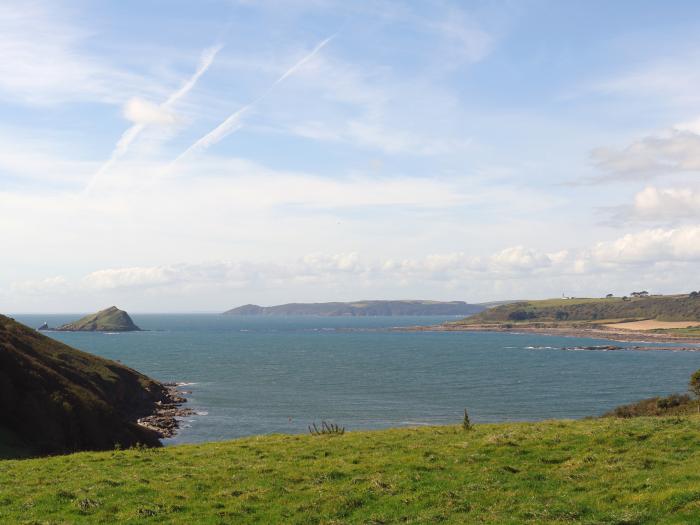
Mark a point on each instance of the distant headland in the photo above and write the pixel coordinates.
(362, 308)
(637, 317)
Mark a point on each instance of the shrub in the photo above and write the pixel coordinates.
(521, 315)
(694, 385)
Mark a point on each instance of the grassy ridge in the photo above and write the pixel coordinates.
(661, 307)
(614, 471)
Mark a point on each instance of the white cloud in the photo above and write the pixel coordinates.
(234, 121)
(49, 285)
(670, 151)
(143, 113)
(129, 277)
(658, 205)
(370, 107)
(651, 246)
(655, 259)
(366, 133)
(29, 158)
(652, 156)
(42, 59)
(140, 111)
(666, 203)
(469, 41)
(519, 258)
(666, 81)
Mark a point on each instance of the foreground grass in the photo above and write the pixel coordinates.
(642, 470)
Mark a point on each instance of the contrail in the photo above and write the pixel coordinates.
(233, 122)
(130, 135)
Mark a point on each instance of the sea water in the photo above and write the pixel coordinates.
(258, 375)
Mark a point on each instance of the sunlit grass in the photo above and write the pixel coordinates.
(644, 470)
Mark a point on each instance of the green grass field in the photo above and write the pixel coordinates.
(612, 471)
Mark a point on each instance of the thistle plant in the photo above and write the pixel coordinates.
(466, 423)
(326, 428)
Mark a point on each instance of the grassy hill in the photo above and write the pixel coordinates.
(362, 308)
(608, 471)
(110, 319)
(659, 307)
(54, 398)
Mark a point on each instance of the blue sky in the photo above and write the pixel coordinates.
(187, 156)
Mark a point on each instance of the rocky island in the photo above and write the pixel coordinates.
(55, 399)
(110, 319)
(362, 308)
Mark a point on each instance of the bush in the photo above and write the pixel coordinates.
(521, 315)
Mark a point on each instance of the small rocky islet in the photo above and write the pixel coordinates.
(110, 319)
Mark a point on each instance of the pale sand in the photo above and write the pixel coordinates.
(651, 324)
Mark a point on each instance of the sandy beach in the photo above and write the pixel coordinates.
(612, 332)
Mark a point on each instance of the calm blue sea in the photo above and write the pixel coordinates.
(257, 375)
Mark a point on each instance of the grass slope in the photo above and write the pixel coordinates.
(110, 319)
(659, 307)
(610, 471)
(54, 398)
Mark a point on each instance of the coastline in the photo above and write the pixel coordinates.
(164, 418)
(626, 336)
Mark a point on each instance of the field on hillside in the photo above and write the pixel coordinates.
(652, 324)
(613, 471)
(593, 310)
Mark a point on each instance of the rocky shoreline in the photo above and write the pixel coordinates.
(164, 420)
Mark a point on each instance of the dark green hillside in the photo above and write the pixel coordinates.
(54, 398)
(362, 308)
(110, 319)
(659, 307)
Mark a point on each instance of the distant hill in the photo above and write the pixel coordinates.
(110, 319)
(659, 307)
(362, 308)
(54, 398)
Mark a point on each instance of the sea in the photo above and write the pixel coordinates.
(262, 375)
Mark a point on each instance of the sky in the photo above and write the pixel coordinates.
(179, 156)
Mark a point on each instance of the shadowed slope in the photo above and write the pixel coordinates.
(55, 398)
